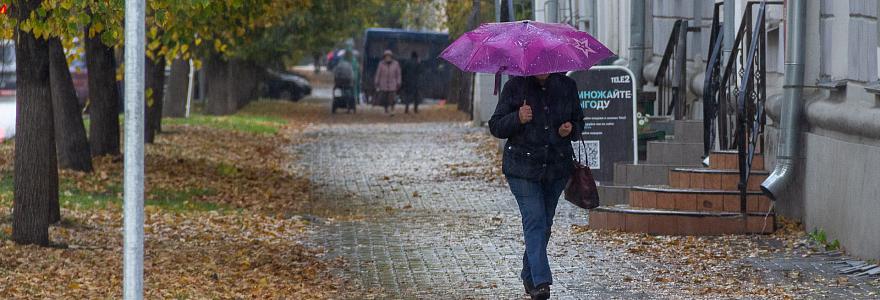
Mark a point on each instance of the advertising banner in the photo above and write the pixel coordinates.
(608, 98)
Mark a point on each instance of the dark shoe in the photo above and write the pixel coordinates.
(528, 286)
(542, 292)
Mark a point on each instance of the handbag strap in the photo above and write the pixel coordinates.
(584, 147)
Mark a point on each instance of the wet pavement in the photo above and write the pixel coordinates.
(409, 210)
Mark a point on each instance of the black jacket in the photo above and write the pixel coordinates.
(410, 72)
(534, 150)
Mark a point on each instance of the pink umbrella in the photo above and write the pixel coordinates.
(525, 48)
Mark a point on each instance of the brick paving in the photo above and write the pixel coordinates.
(388, 203)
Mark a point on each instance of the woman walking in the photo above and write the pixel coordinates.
(538, 113)
(539, 116)
(387, 80)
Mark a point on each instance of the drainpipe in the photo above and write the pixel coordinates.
(498, 4)
(729, 27)
(594, 18)
(551, 11)
(792, 108)
(637, 41)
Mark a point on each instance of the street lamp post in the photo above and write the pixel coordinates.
(133, 208)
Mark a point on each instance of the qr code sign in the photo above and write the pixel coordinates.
(587, 153)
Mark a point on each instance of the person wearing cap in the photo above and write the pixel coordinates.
(387, 80)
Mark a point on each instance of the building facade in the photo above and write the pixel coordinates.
(836, 187)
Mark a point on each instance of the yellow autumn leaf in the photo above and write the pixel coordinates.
(153, 45)
(148, 93)
(97, 27)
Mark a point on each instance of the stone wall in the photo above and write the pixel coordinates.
(841, 192)
(836, 186)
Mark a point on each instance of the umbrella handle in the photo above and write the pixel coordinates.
(498, 80)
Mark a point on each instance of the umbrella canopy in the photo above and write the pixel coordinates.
(525, 48)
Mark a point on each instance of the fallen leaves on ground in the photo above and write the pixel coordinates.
(687, 266)
(238, 169)
(248, 245)
(488, 168)
(703, 267)
(188, 255)
(308, 112)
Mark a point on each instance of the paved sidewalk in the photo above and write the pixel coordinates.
(408, 209)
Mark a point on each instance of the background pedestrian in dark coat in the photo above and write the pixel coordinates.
(412, 71)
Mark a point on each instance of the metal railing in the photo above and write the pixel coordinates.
(671, 78)
(720, 95)
(734, 92)
(750, 117)
(712, 82)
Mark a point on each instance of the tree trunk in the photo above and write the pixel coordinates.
(154, 80)
(456, 84)
(104, 97)
(317, 57)
(242, 78)
(71, 142)
(465, 92)
(36, 173)
(178, 83)
(218, 87)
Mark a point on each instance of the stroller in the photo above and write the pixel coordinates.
(343, 96)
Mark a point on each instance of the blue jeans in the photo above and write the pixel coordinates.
(537, 204)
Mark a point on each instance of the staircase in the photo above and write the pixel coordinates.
(694, 201)
(670, 194)
(682, 151)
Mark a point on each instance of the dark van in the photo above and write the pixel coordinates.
(435, 77)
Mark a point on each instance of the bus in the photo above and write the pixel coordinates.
(436, 72)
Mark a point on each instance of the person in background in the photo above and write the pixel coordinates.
(387, 81)
(412, 70)
(317, 57)
(343, 78)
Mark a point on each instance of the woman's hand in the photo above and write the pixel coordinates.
(565, 129)
(525, 113)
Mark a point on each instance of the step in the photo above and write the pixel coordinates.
(705, 200)
(675, 153)
(643, 173)
(715, 179)
(613, 195)
(729, 159)
(666, 222)
(664, 124)
(689, 131)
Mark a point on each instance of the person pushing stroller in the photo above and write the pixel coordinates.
(343, 81)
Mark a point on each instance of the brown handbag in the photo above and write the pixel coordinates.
(581, 188)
